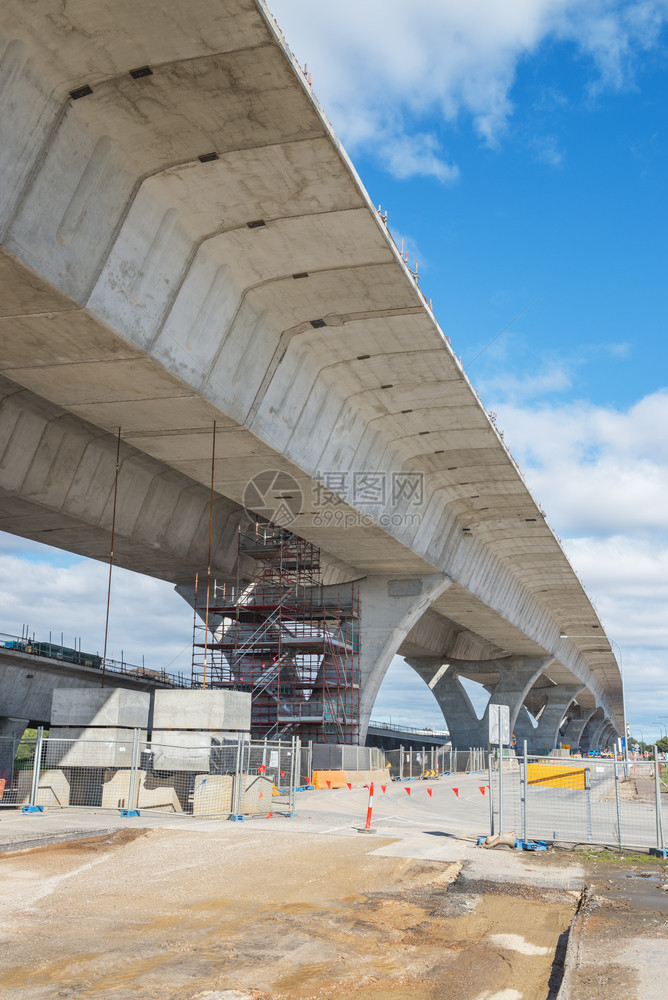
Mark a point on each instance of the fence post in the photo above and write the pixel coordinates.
(133, 789)
(657, 789)
(310, 760)
(36, 764)
(619, 807)
(525, 788)
(491, 797)
(401, 762)
(500, 783)
(590, 835)
(235, 815)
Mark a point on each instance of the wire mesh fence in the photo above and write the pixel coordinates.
(579, 801)
(197, 774)
(406, 765)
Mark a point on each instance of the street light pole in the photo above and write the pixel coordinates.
(621, 674)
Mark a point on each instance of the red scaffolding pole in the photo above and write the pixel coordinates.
(286, 639)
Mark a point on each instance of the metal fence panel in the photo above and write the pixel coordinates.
(578, 801)
(17, 758)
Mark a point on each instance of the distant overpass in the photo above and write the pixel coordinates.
(29, 675)
(183, 240)
(389, 737)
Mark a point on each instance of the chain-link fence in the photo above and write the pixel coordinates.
(195, 774)
(578, 801)
(405, 765)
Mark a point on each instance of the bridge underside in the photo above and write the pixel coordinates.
(184, 241)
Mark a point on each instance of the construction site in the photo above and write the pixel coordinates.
(285, 639)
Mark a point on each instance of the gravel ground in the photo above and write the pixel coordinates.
(180, 915)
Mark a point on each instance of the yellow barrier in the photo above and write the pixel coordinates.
(329, 779)
(556, 776)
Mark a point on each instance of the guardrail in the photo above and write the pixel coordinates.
(409, 729)
(67, 654)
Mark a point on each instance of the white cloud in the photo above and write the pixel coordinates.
(417, 155)
(596, 470)
(379, 64)
(601, 475)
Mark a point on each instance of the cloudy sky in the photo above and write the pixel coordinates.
(520, 150)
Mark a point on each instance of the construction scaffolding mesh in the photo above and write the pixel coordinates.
(285, 638)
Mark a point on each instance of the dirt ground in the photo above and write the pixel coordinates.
(171, 915)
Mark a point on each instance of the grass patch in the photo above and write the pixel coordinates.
(607, 856)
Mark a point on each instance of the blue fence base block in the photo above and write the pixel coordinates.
(481, 841)
(530, 845)
(658, 852)
(33, 809)
(236, 818)
(130, 812)
(305, 788)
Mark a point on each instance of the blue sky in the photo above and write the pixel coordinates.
(520, 150)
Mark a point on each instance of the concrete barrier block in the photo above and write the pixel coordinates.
(256, 792)
(53, 789)
(152, 792)
(213, 710)
(213, 795)
(100, 707)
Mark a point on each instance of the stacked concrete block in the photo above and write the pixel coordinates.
(203, 710)
(95, 726)
(198, 730)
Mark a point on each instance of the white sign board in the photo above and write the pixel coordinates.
(499, 725)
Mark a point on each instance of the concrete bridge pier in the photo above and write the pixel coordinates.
(590, 728)
(389, 609)
(597, 732)
(608, 736)
(11, 731)
(546, 734)
(509, 678)
(577, 720)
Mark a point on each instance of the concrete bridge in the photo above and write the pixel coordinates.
(183, 241)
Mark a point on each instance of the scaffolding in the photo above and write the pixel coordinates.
(285, 639)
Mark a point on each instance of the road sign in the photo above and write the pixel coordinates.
(499, 724)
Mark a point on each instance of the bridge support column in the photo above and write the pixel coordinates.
(576, 723)
(11, 731)
(389, 607)
(516, 675)
(587, 737)
(596, 740)
(546, 734)
(609, 736)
